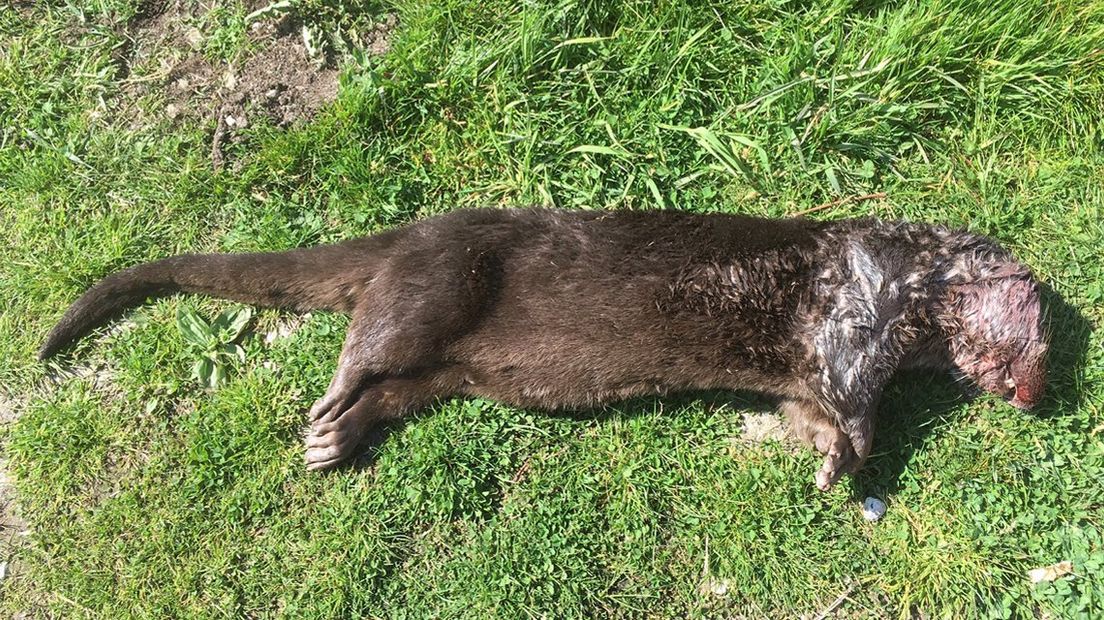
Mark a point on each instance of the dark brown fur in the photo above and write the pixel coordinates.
(550, 309)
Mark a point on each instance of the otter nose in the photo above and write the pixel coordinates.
(1030, 381)
(1027, 395)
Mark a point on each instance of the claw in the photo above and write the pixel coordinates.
(320, 455)
(324, 407)
(321, 465)
(332, 405)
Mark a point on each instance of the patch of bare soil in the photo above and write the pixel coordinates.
(13, 529)
(764, 427)
(760, 428)
(278, 81)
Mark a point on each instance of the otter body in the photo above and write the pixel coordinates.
(550, 309)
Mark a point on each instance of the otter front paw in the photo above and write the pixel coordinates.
(830, 472)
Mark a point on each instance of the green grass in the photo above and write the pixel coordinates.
(148, 497)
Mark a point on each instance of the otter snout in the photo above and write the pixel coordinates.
(1029, 388)
(1025, 399)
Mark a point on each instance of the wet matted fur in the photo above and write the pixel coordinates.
(550, 309)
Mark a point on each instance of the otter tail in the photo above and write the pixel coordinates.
(322, 278)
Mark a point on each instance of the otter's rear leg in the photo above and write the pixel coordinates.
(376, 381)
(381, 343)
(362, 358)
(391, 360)
(405, 318)
(810, 423)
(333, 439)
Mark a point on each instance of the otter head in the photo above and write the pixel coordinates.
(994, 326)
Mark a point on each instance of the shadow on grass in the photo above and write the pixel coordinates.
(373, 440)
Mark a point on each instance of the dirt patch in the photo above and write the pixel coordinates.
(284, 326)
(163, 62)
(9, 410)
(281, 82)
(378, 42)
(11, 523)
(760, 429)
(764, 427)
(13, 529)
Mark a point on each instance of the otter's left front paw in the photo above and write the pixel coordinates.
(836, 464)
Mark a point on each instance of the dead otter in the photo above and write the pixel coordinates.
(546, 308)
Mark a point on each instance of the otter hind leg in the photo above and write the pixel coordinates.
(404, 320)
(390, 364)
(374, 348)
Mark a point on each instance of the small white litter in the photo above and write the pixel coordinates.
(1050, 573)
(873, 509)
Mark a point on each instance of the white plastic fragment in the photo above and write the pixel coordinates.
(873, 509)
(712, 586)
(1050, 573)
